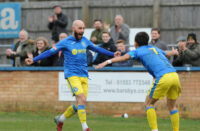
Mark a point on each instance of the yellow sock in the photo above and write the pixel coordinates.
(152, 118)
(71, 110)
(175, 120)
(81, 113)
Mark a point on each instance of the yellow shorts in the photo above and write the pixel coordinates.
(168, 85)
(78, 85)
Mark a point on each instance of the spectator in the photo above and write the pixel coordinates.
(89, 57)
(96, 36)
(22, 47)
(189, 52)
(41, 46)
(122, 48)
(57, 23)
(120, 30)
(58, 58)
(155, 39)
(107, 44)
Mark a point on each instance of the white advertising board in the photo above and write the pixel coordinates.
(111, 87)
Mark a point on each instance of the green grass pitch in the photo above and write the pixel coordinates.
(28, 121)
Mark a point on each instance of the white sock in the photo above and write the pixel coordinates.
(62, 118)
(155, 130)
(84, 126)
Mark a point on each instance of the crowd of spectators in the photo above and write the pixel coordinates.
(114, 38)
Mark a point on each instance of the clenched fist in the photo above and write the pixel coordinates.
(29, 61)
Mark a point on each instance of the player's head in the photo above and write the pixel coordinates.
(78, 28)
(141, 39)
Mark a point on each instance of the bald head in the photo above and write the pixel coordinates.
(78, 23)
(78, 28)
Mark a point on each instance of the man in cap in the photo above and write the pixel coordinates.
(57, 23)
(189, 51)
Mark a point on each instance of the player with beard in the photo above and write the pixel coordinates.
(75, 70)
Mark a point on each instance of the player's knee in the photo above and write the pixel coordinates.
(171, 107)
(147, 104)
(171, 104)
(81, 100)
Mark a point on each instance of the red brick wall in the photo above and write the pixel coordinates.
(38, 90)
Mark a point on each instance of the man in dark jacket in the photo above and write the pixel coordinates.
(57, 23)
(107, 44)
(189, 52)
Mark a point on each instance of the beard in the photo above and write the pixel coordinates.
(77, 35)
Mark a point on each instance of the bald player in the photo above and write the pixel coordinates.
(75, 70)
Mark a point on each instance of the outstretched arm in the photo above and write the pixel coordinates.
(43, 55)
(113, 60)
(171, 52)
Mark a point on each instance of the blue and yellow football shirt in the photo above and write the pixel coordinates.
(153, 59)
(75, 58)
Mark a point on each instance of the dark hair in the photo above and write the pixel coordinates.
(57, 5)
(142, 38)
(97, 20)
(156, 29)
(120, 41)
(106, 32)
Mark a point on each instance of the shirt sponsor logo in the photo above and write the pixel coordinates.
(74, 51)
(79, 51)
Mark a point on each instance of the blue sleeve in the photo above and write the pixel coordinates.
(61, 44)
(45, 54)
(133, 54)
(100, 50)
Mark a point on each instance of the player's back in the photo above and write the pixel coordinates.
(154, 60)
